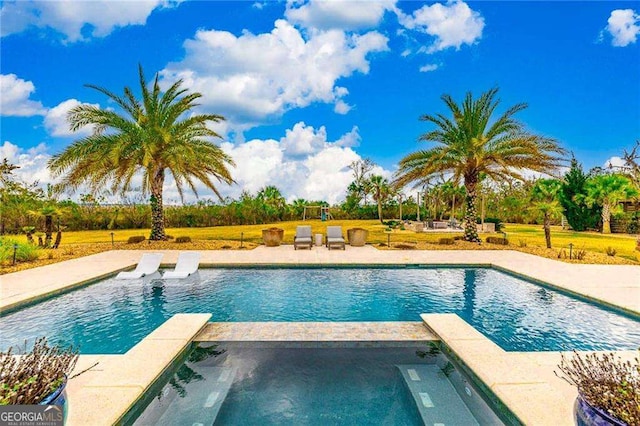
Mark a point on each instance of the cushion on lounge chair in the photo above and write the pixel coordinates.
(303, 237)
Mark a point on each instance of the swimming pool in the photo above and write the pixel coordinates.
(111, 316)
(320, 386)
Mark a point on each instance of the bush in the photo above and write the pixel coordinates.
(183, 239)
(446, 241)
(498, 240)
(607, 382)
(458, 238)
(522, 243)
(580, 254)
(611, 251)
(405, 246)
(24, 252)
(30, 378)
(136, 239)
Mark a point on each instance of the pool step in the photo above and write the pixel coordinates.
(437, 400)
(203, 398)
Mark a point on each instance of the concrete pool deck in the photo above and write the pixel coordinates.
(614, 285)
(524, 382)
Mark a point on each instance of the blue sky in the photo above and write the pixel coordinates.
(308, 87)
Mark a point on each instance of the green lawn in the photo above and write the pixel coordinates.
(532, 235)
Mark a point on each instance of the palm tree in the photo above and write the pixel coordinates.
(471, 144)
(381, 190)
(273, 203)
(607, 191)
(544, 196)
(153, 136)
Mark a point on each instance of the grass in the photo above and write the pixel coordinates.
(76, 244)
(532, 234)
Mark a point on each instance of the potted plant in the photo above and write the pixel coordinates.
(37, 377)
(272, 237)
(608, 388)
(357, 237)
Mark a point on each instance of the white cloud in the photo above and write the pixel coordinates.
(452, 24)
(77, 20)
(302, 164)
(614, 162)
(251, 78)
(32, 162)
(338, 14)
(428, 67)
(14, 97)
(624, 27)
(55, 121)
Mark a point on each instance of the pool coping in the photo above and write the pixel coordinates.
(107, 392)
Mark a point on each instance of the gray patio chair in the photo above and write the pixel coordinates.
(302, 237)
(334, 237)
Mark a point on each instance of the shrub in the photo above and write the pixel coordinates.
(607, 382)
(136, 239)
(458, 238)
(183, 239)
(580, 254)
(522, 243)
(446, 241)
(405, 246)
(611, 251)
(30, 378)
(498, 240)
(24, 252)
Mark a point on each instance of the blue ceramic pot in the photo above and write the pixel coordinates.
(57, 397)
(588, 415)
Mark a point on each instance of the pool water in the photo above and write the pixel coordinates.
(316, 386)
(111, 316)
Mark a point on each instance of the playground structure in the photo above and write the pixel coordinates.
(324, 213)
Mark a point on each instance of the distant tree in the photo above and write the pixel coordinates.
(632, 164)
(471, 143)
(382, 191)
(607, 190)
(273, 203)
(579, 214)
(155, 135)
(544, 199)
(360, 187)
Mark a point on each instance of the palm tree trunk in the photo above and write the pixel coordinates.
(48, 230)
(606, 218)
(380, 210)
(157, 212)
(470, 227)
(547, 230)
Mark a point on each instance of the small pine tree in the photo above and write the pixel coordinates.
(579, 215)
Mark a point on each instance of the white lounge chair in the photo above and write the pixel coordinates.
(188, 262)
(334, 237)
(149, 264)
(302, 237)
